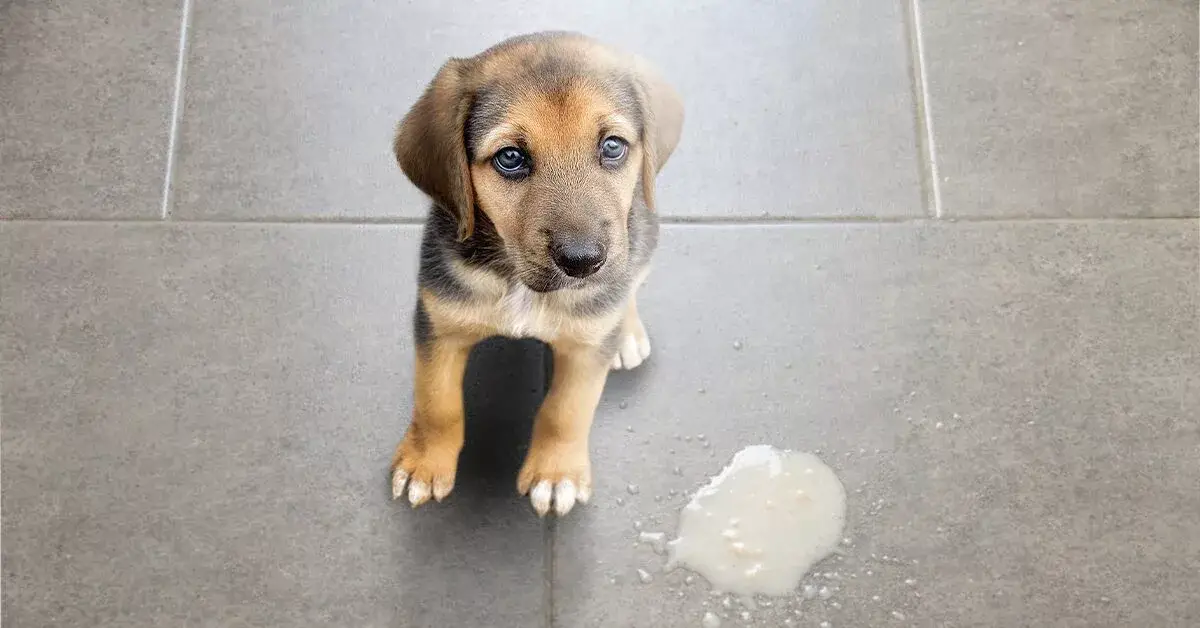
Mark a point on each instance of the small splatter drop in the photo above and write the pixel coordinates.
(898, 615)
(633, 489)
(656, 540)
(623, 405)
(710, 620)
(737, 345)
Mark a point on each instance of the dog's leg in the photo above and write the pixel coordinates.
(427, 458)
(634, 345)
(557, 469)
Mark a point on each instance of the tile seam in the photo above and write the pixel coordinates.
(748, 221)
(922, 101)
(176, 112)
(548, 570)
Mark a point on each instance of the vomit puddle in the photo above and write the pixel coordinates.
(762, 523)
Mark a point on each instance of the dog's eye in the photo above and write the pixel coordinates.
(511, 162)
(613, 150)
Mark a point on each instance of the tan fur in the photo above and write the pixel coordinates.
(429, 452)
(569, 190)
(561, 131)
(559, 449)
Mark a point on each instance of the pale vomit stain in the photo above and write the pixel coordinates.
(762, 523)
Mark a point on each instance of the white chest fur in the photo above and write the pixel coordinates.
(513, 310)
(523, 313)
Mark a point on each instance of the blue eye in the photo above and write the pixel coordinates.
(613, 149)
(511, 162)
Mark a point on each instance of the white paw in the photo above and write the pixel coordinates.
(419, 491)
(564, 496)
(633, 349)
(555, 475)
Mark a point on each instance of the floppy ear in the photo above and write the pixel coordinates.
(430, 146)
(662, 122)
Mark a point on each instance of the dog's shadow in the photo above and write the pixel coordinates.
(505, 384)
(484, 531)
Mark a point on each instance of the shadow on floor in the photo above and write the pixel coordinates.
(483, 532)
(505, 383)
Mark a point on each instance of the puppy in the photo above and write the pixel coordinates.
(540, 156)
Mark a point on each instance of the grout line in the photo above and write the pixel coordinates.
(672, 221)
(548, 569)
(925, 135)
(783, 220)
(176, 111)
(550, 525)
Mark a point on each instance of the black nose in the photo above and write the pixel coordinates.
(577, 256)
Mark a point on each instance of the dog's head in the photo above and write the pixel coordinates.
(553, 138)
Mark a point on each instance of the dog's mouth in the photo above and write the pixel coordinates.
(542, 284)
(543, 279)
(549, 281)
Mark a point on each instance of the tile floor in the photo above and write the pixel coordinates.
(958, 244)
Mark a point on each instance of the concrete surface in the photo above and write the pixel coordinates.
(957, 246)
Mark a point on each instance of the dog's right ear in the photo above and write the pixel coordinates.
(431, 148)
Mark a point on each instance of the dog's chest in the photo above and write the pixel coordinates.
(523, 313)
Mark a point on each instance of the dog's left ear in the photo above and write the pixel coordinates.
(430, 146)
(662, 122)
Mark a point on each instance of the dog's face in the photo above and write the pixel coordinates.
(553, 138)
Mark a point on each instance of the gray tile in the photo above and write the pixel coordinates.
(1064, 108)
(796, 111)
(197, 429)
(86, 100)
(1010, 406)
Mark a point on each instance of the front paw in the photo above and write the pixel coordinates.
(425, 466)
(556, 473)
(633, 348)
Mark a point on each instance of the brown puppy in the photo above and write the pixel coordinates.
(540, 156)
